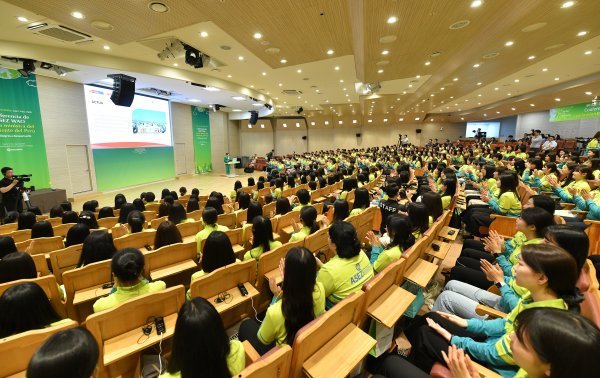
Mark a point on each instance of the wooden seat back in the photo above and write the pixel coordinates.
(65, 259)
(228, 220)
(150, 215)
(43, 245)
(117, 330)
(319, 242)
(55, 221)
(268, 209)
(16, 351)
(20, 235)
(8, 228)
(108, 222)
(154, 223)
(276, 363)
(505, 226)
(137, 240)
(287, 220)
(365, 222)
(152, 207)
(313, 336)
(62, 229)
(88, 278)
(170, 256)
(50, 287)
(41, 265)
(195, 215)
(241, 217)
(189, 228)
(593, 232)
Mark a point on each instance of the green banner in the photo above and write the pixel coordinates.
(201, 137)
(21, 135)
(573, 112)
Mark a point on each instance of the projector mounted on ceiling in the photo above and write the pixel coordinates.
(171, 48)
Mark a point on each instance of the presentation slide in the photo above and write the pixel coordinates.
(147, 123)
(491, 129)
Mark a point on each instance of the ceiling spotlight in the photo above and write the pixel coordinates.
(509, 43)
(77, 15)
(580, 34)
(203, 34)
(455, 79)
(516, 80)
(588, 93)
(589, 52)
(531, 57)
(28, 67)
(300, 110)
(476, 3)
(59, 70)
(22, 19)
(337, 68)
(532, 105)
(567, 4)
(239, 98)
(380, 70)
(417, 118)
(392, 20)
(544, 69)
(427, 63)
(299, 71)
(476, 65)
(240, 58)
(106, 47)
(257, 36)
(479, 83)
(330, 52)
(557, 99)
(283, 61)
(385, 52)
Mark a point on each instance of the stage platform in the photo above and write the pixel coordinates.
(206, 183)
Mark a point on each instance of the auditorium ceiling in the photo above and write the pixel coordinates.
(442, 60)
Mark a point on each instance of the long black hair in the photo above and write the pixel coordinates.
(7, 245)
(433, 202)
(26, 220)
(177, 213)
(25, 307)
(167, 233)
(217, 252)
(572, 240)
(98, 246)
(308, 216)
(17, 266)
(341, 210)
(299, 279)
(400, 231)
(125, 210)
(262, 232)
(42, 229)
(419, 217)
(200, 343)
(77, 234)
(343, 235)
(361, 199)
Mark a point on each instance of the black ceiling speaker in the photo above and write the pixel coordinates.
(28, 67)
(304, 137)
(123, 89)
(358, 135)
(418, 131)
(300, 110)
(253, 117)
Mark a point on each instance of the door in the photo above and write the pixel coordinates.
(180, 165)
(79, 168)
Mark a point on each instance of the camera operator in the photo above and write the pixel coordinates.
(11, 198)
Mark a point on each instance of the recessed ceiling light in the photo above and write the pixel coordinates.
(22, 19)
(385, 52)
(516, 80)
(337, 68)
(297, 124)
(392, 20)
(262, 126)
(427, 63)
(194, 100)
(106, 47)
(283, 61)
(285, 125)
(496, 88)
(462, 118)
(264, 74)
(556, 78)
(476, 3)
(401, 119)
(588, 93)
(418, 76)
(479, 83)
(327, 122)
(344, 89)
(497, 112)
(280, 84)
(299, 70)
(77, 15)
(240, 58)
(513, 109)
(369, 120)
(532, 105)
(229, 76)
(417, 118)
(211, 89)
(175, 64)
(257, 36)
(249, 126)
(476, 65)
(341, 80)
(238, 98)
(557, 99)
(312, 123)
(252, 86)
(203, 34)
(479, 95)
(580, 34)
(567, 4)
(485, 114)
(380, 70)
(442, 88)
(509, 94)
(236, 110)
(455, 79)
(340, 122)
(544, 69)
(589, 52)
(509, 43)
(330, 52)
(354, 121)
(531, 57)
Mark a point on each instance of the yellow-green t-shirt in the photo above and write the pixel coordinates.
(446, 201)
(341, 277)
(123, 294)
(273, 326)
(236, 360)
(356, 211)
(386, 257)
(203, 234)
(255, 253)
(301, 234)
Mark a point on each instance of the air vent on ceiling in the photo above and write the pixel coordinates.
(156, 92)
(292, 92)
(63, 33)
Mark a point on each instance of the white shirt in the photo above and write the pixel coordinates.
(549, 145)
(536, 141)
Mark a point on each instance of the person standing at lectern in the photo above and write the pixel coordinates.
(227, 159)
(10, 194)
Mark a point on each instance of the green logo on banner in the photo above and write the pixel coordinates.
(21, 135)
(201, 137)
(573, 112)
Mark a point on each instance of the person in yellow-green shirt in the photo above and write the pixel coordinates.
(303, 198)
(488, 341)
(209, 218)
(262, 238)
(233, 194)
(361, 201)
(537, 346)
(308, 217)
(594, 144)
(201, 347)
(399, 231)
(127, 267)
(291, 307)
(348, 270)
(581, 174)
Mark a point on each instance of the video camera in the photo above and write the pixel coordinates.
(22, 180)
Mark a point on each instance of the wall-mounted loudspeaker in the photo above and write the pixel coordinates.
(358, 135)
(418, 131)
(123, 89)
(304, 137)
(253, 117)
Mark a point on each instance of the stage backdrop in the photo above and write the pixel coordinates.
(574, 112)
(21, 135)
(201, 131)
(131, 145)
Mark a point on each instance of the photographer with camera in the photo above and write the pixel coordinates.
(11, 197)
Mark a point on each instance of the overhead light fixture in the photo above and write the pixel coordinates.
(531, 57)
(257, 36)
(462, 118)
(312, 123)
(427, 63)
(284, 124)
(257, 104)
(544, 69)
(556, 78)
(354, 121)
(28, 67)
(385, 120)
(106, 47)
(211, 89)
(239, 98)
(340, 122)
(262, 125)
(297, 124)
(580, 34)
(330, 52)
(59, 70)
(380, 70)
(516, 80)
(203, 34)
(385, 52)
(22, 19)
(557, 99)
(567, 4)
(77, 15)
(401, 119)
(417, 118)
(299, 70)
(236, 110)
(240, 58)
(479, 83)
(264, 74)
(455, 79)
(369, 120)
(588, 93)
(509, 43)
(283, 61)
(392, 20)
(326, 122)
(476, 65)
(476, 3)
(589, 52)
(532, 105)
(337, 68)
(496, 88)
(194, 100)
